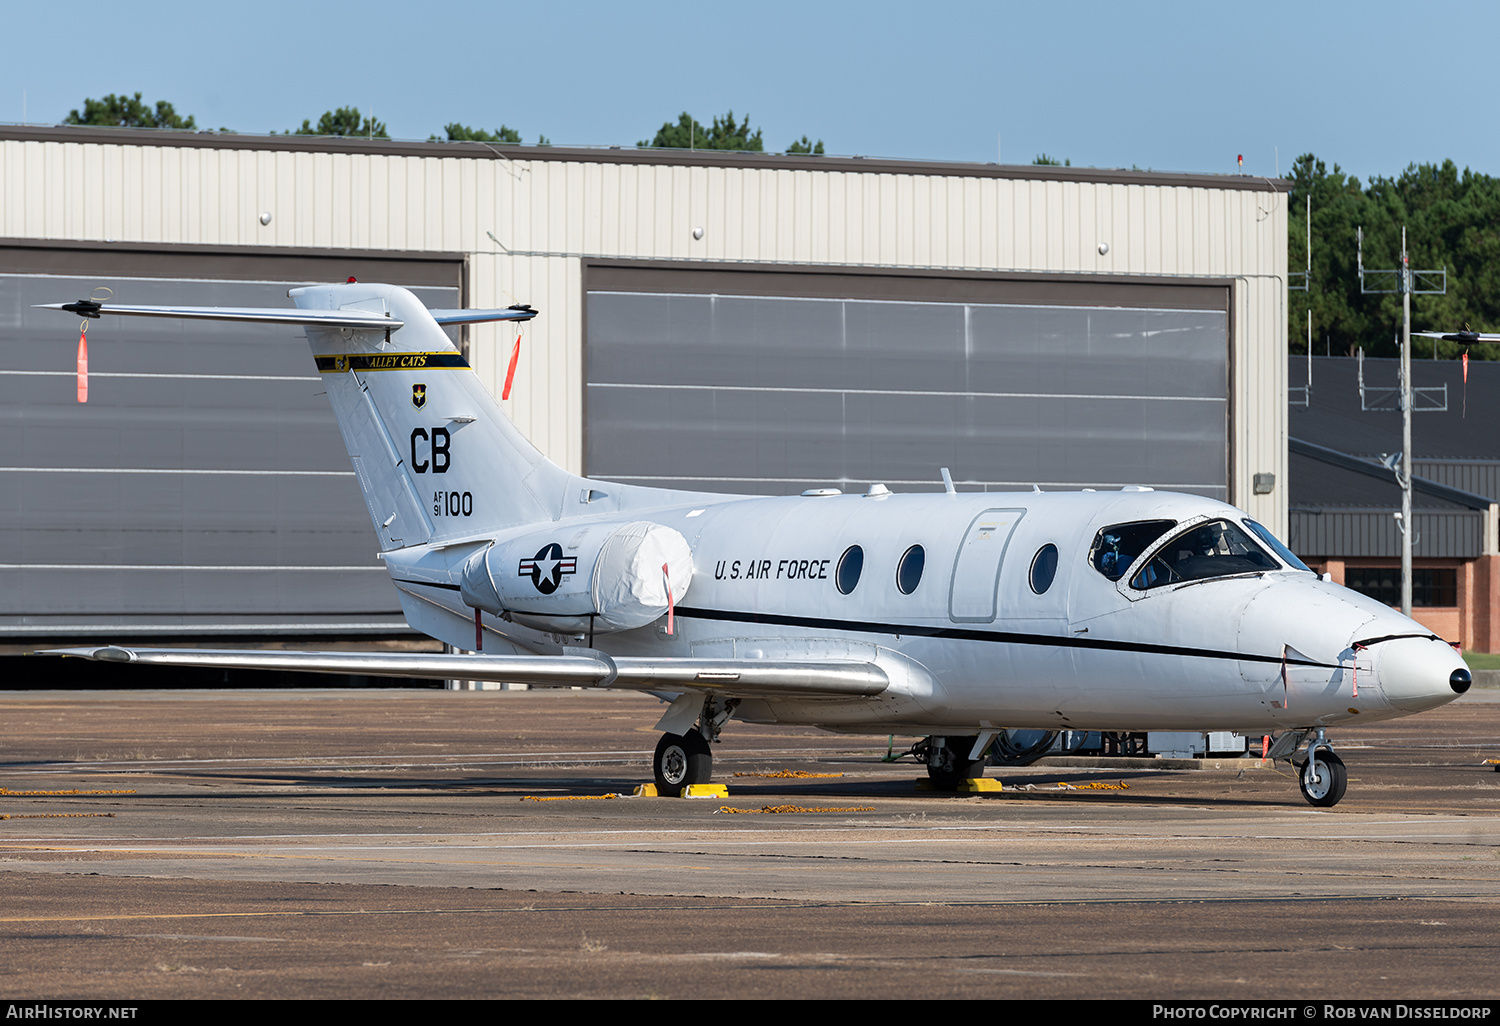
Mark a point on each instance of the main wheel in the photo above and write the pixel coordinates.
(1323, 781)
(682, 759)
(953, 766)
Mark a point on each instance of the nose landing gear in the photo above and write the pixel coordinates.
(1323, 779)
(1320, 772)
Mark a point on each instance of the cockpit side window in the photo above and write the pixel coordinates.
(1116, 547)
(1218, 548)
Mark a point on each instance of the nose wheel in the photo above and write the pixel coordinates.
(1323, 778)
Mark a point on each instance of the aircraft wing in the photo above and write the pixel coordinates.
(762, 678)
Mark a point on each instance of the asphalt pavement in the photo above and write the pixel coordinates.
(414, 844)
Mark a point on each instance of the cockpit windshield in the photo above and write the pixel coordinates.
(1281, 550)
(1218, 548)
(1117, 546)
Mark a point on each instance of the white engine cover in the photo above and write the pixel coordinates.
(599, 577)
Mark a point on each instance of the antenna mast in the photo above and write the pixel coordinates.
(1404, 280)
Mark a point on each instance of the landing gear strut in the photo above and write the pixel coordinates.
(948, 762)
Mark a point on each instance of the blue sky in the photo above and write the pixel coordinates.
(1171, 86)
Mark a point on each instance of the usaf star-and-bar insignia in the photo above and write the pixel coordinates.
(547, 567)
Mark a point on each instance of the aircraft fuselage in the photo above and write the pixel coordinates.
(971, 642)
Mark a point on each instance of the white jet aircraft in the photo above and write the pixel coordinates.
(951, 617)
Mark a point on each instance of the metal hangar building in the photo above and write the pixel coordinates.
(741, 322)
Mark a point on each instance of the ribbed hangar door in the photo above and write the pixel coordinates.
(770, 381)
(204, 487)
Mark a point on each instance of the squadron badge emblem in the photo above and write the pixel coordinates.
(419, 396)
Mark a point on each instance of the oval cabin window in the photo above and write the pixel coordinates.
(1043, 568)
(850, 565)
(909, 570)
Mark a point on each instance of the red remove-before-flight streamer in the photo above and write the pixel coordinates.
(83, 362)
(510, 372)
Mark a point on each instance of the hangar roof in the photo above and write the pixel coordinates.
(1334, 417)
(1341, 498)
(1326, 478)
(635, 155)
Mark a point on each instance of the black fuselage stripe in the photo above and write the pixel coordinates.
(1001, 637)
(427, 584)
(959, 634)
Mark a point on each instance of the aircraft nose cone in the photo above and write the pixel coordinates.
(1420, 673)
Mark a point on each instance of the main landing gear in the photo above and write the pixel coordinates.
(948, 762)
(684, 759)
(948, 758)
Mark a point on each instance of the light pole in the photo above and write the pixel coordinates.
(1406, 528)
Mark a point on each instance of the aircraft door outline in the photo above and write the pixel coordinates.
(974, 586)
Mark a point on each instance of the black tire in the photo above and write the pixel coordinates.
(681, 759)
(954, 766)
(1324, 787)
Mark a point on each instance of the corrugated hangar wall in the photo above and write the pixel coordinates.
(548, 226)
(204, 488)
(768, 381)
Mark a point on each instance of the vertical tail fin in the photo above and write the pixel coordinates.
(435, 456)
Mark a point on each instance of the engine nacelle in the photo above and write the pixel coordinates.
(592, 578)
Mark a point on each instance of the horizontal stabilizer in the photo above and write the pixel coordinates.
(1464, 338)
(510, 313)
(749, 677)
(265, 315)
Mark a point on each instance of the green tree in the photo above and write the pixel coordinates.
(463, 133)
(1452, 221)
(725, 134)
(344, 121)
(803, 146)
(1050, 161)
(128, 112)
